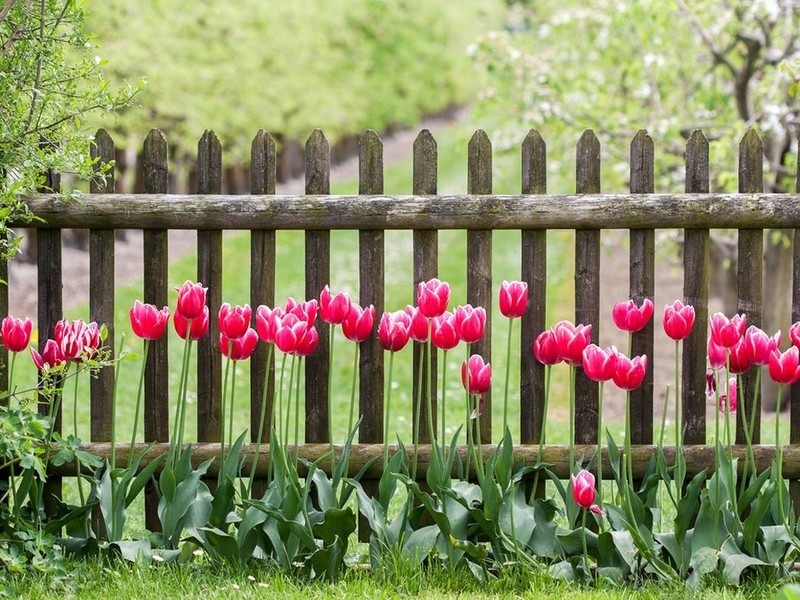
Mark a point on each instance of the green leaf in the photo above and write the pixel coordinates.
(735, 564)
(753, 522)
(703, 562)
(419, 544)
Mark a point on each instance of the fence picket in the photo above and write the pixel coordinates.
(534, 273)
(156, 263)
(794, 422)
(587, 285)
(426, 267)
(695, 293)
(479, 263)
(750, 269)
(209, 273)
(318, 274)
(642, 285)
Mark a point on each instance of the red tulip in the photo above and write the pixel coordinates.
(234, 321)
(470, 323)
(726, 332)
(357, 327)
(267, 322)
(759, 345)
(477, 373)
(240, 348)
(599, 364)
(545, 348)
(716, 354)
(443, 332)
(785, 368)
(295, 336)
(305, 311)
(629, 373)
(711, 385)
(147, 322)
(628, 317)
(191, 300)
(794, 334)
(739, 358)
(678, 320)
(394, 330)
(433, 296)
(729, 401)
(571, 340)
(50, 357)
(419, 324)
(513, 299)
(16, 333)
(198, 329)
(308, 343)
(583, 491)
(333, 309)
(76, 339)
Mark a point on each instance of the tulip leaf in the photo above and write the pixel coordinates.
(703, 562)
(735, 564)
(419, 544)
(524, 519)
(543, 539)
(758, 510)
(571, 542)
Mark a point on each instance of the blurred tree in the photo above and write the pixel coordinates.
(50, 80)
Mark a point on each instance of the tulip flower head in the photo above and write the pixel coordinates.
(267, 322)
(739, 358)
(240, 348)
(470, 323)
(629, 317)
(630, 372)
(191, 300)
(716, 354)
(77, 340)
(394, 329)
(234, 321)
(711, 385)
(50, 357)
(794, 334)
(678, 320)
(513, 299)
(198, 328)
(571, 340)
(16, 333)
(443, 331)
(476, 376)
(545, 348)
(419, 324)
(357, 327)
(433, 296)
(599, 364)
(727, 332)
(727, 402)
(305, 311)
(147, 322)
(335, 308)
(759, 345)
(785, 367)
(295, 336)
(583, 491)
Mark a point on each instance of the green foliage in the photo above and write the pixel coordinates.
(288, 67)
(51, 81)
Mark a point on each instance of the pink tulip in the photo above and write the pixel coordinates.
(599, 364)
(477, 375)
(333, 309)
(785, 368)
(443, 332)
(308, 343)
(76, 339)
(305, 311)
(545, 348)
(198, 328)
(628, 317)
(267, 322)
(470, 323)
(513, 299)
(571, 340)
(16, 333)
(739, 358)
(240, 348)
(394, 330)
(433, 296)
(729, 401)
(727, 332)
(358, 325)
(583, 491)
(419, 324)
(295, 336)
(234, 321)
(50, 357)
(147, 322)
(794, 334)
(711, 385)
(191, 300)
(759, 345)
(716, 354)
(678, 320)
(629, 373)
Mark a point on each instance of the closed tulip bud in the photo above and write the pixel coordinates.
(50, 357)
(513, 299)
(267, 322)
(308, 343)
(240, 348)
(191, 300)
(419, 324)
(727, 332)
(785, 367)
(305, 311)
(476, 376)
(571, 340)
(794, 334)
(739, 358)
(394, 330)
(147, 322)
(728, 402)
(759, 345)
(629, 373)
(16, 333)
(599, 364)
(433, 296)
(678, 320)
(629, 317)
(234, 321)
(545, 348)
(470, 323)
(333, 308)
(443, 332)
(357, 327)
(716, 354)
(711, 385)
(198, 328)
(583, 491)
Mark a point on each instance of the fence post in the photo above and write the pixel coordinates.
(794, 423)
(695, 293)
(156, 263)
(750, 269)
(587, 286)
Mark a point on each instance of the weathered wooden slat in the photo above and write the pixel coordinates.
(750, 270)
(587, 285)
(794, 401)
(479, 260)
(426, 267)
(101, 289)
(322, 213)
(371, 291)
(263, 169)
(156, 264)
(318, 274)
(695, 293)
(4, 311)
(697, 457)
(643, 285)
(534, 273)
(209, 273)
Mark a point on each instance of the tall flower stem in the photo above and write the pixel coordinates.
(387, 413)
(277, 410)
(779, 455)
(428, 382)
(750, 457)
(262, 417)
(224, 407)
(173, 439)
(750, 431)
(468, 423)
(138, 400)
(330, 396)
(543, 432)
(417, 413)
(571, 418)
(297, 412)
(599, 448)
(583, 539)
(11, 374)
(289, 406)
(353, 391)
(75, 428)
(478, 446)
(117, 368)
(230, 406)
(182, 399)
(443, 394)
(628, 457)
(508, 376)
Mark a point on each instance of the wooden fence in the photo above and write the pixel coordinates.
(370, 212)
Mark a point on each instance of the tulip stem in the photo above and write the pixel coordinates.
(297, 411)
(444, 392)
(11, 375)
(230, 406)
(276, 419)
(479, 439)
(571, 418)
(750, 457)
(261, 419)
(223, 408)
(117, 368)
(138, 399)
(543, 430)
(330, 396)
(289, 405)
(508, 375)
(755, 409)
(418, 411)
(628, 457)
(583, 539)
(428, 382)
(468, 407)
(779, 455)
(387, 412)
(182, 400)
(79, 477)
(353, 391)
(600, 447)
